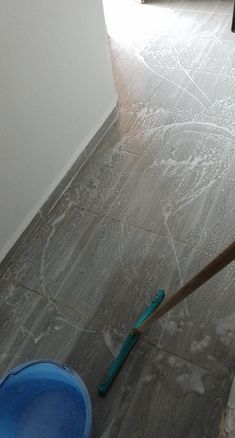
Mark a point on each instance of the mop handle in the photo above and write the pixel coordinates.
(218, 263)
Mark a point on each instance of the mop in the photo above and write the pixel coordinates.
(156, 309)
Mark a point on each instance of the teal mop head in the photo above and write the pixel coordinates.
(128, 344)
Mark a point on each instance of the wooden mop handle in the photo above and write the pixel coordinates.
(218, 263)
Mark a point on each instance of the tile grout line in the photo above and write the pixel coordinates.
(123, 222)
(147, 341)
(113, 219)
(56, 302)
(106, 323)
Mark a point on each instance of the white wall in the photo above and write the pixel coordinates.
(56, 90)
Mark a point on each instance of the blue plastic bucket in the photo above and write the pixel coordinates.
(44, 399)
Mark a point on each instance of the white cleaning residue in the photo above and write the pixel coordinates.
(198, 346)
(229, 417)
(110, 344)
(149, 378)
(191, 381)
(225, 329)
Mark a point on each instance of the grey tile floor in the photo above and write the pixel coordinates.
(153, 204)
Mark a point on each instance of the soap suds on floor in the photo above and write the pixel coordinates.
(149, 378)
(172, 327)
(225, 329)
(198, 346)
(192, 381)
(46, 246)
(110, 344)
